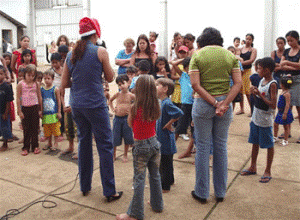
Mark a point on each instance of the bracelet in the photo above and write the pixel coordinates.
(215, 104)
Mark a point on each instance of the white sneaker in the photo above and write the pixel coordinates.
(184, 137)
(275, 139)
(284, 143)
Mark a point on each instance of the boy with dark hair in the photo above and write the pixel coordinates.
(124, 99)
(165, 132)
(261, 134)
(143, 68)
(6, 96)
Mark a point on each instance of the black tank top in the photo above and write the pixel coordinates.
(295, 59)
(246, 56)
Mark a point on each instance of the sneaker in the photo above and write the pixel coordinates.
(275, 139)
(184, 137)
(284, 143)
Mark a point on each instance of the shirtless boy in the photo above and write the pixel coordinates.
(124, 99)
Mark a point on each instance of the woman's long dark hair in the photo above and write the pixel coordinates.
(79, 49)
(147, 51)
(161, 58)
(252, 36)
(293, 34)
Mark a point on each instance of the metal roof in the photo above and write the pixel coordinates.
(12, 20)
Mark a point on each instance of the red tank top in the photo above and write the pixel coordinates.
(142, 129)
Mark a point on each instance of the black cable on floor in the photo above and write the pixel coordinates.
(14, 212)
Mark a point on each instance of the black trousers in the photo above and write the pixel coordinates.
(31, 127)
(166, 171)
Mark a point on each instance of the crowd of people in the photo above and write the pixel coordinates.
(159, 99)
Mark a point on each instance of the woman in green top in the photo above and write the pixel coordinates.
(210, 70)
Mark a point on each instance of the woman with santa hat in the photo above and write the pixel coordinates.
(85, 65)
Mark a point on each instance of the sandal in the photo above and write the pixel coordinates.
(282, 136)
(68, 151)
(265, 179)
(47, 147)
(52, 149)
(240, 113)
(113, 198)
(247, 173)
(37, 150)
(24, 153)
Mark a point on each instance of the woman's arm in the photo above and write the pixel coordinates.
(273, 55)
(57, 94)
(107, 69)
(13, 63)
(111, 104)
(173, 74)
(132, 60)
(122, 62)
(65, 78)
(252, 58)
(286, 63)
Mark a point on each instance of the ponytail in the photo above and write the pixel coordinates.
(79, 49)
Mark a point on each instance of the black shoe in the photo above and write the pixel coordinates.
(85, 193)
(202, 201)
(219, 199)
(113, 198)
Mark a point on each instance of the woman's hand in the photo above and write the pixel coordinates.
(221, 109)
(168, 127)
(284, 116)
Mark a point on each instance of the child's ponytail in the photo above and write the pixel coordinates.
(79, 49)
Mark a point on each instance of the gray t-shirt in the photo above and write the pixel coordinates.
(261, 117)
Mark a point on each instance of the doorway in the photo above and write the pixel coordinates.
(7, 41)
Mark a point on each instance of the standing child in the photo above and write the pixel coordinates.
(261, 134)
(162, 68)
(131, 72)
(29, 96)
(51, 110)
(152, 38)
(6, 96)
(165, 132)
(284, 116)
(26, 58)
(255, 79)
(146, 150)
(124, 99)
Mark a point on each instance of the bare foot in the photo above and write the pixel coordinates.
(125, 159)
(165, 191)
(184, 155)
(125, 217)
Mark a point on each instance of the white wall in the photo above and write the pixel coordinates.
(7, 25)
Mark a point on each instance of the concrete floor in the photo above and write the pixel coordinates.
(24, 180)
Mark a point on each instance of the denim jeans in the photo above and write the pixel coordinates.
(210, 127)
(146, 153)
(95, 121)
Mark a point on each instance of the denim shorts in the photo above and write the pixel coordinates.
(263, 136)
(121, 130)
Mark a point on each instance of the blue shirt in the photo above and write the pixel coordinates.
(87, 89)
(186, 89)
(255, 79)
(165, 137)
(123, 56)
(133, 82)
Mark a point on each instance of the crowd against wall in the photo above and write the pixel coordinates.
(159, 97)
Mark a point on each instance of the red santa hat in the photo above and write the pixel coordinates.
(89, 26)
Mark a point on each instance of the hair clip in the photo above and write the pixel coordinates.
(289, 81)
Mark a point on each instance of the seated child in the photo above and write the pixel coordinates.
(165, 132)
(124, 99)
(261, 134)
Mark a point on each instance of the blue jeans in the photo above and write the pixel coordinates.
(96, 121)
(146, 153)
(210, 128)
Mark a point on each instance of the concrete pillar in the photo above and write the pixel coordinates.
(163, 29)
(270, 26)
(86, 8)
(31, 19)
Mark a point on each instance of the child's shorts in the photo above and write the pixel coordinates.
(263, 136)
(52, 129)
(5, 129)
(121, 130)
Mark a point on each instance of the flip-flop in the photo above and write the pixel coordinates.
(24, 153)
(37, 150)
(247, 173)
(265, 177)
(282, 136)
(240, 113)
(298, 141)
(67, 152)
